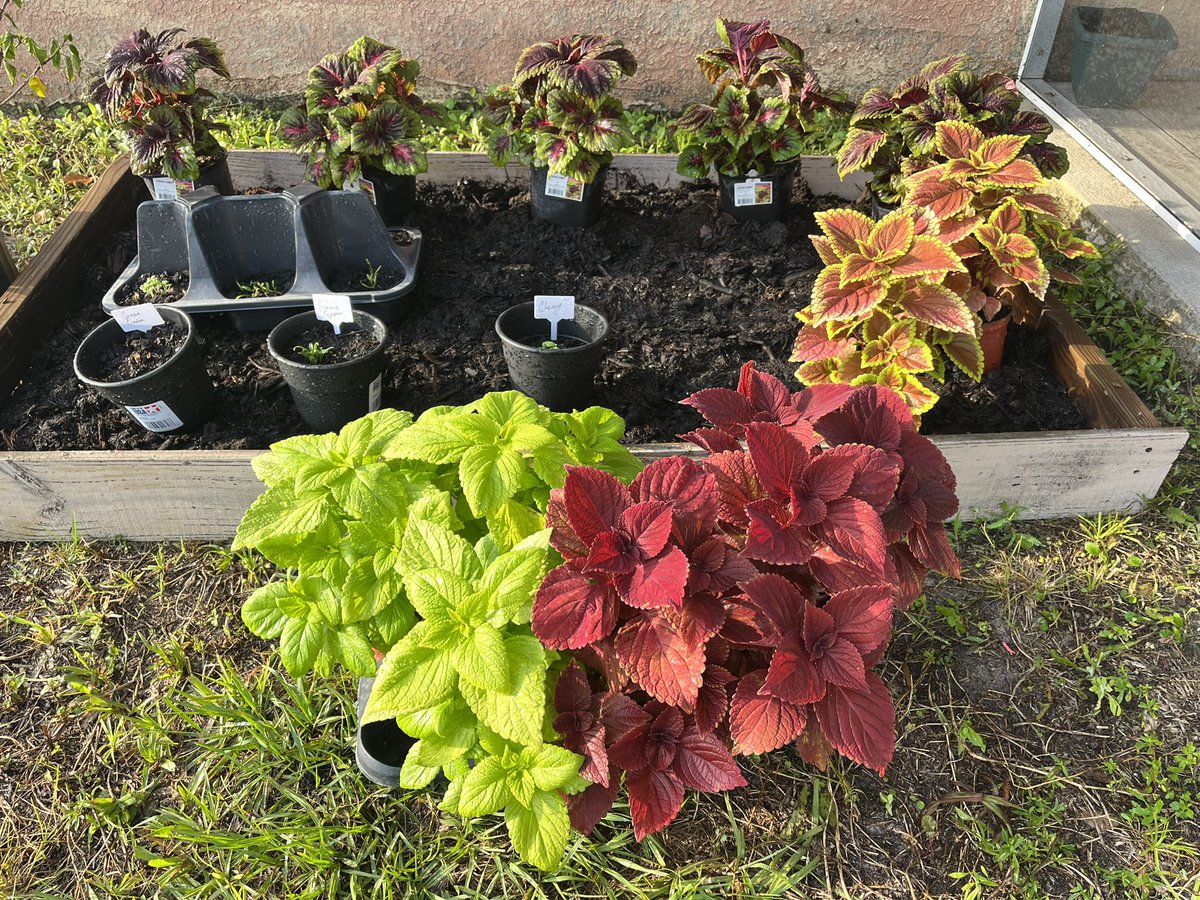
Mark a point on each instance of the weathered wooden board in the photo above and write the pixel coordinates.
(202, 494)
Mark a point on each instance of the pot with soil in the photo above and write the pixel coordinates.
(379, 747)
(565, 201)
(758, 198)
(394, 196)
(558, 374)
(992, 339)
(215, 174)
(334, 378)
(157, 375)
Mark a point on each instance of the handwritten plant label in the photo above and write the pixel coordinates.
(565, 188)
(753, 192)
(334, 309)
(553, 308)
(164, 188)
(141, 317)
(374, 393)
(157, 416)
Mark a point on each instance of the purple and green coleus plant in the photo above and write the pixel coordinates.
(560, 112)
(148, 90)
(360, 111)
(893, 136)
(765, 95)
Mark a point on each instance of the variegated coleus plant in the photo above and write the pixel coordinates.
(741, 603)
(560, 112)
(765, 94)
(148, 91)
(892, 135)
(360, 111)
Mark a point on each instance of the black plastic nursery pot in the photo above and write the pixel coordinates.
(563, 379)
(379, 747)
(329, 395)
(215, 174)
(394, 196)
(758, 198)
(879, 209)
(177, 396)
(574, 204)
(1117, 52)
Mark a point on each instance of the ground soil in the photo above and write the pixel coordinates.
(352, 343)
(132, 294)
(141, 352)
(689, 294)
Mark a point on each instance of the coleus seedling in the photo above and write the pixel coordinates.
(560, 112)
(885, 309)
(764, 96)
(738, 604)
(148, 91)
(894, 135)
(360, 110)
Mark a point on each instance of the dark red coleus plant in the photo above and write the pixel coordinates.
(736, 604)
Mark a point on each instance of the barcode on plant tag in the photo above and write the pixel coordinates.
(374, 393)
(164, 189)
(565, 188)
(156, 416)
(753, 193)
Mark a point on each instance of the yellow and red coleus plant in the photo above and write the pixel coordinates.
(738, 604)
(560, 112)
(360, 111)
(765, 93)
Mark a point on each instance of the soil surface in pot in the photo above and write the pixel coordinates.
(350, 344)
(141, 352)
(137, 292)
(365, 278)
(689, 294)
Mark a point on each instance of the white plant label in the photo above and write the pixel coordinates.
(565, 188)
(141, 317)
(334, 309)
(368, 188)
(164, 189)
(374, 393)
(753, 193)
(553, 309)
(156, 416)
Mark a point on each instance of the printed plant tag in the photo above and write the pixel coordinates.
(565, 188)
(184, 187)
(334, 309)
(156, 416)
(374, 393)
(553, 308)
(753, 193)
(368, 188)
(164, 188)
(141, 317)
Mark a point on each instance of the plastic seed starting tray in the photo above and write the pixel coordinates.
(311, 236)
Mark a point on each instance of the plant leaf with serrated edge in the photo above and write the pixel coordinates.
(658, 657)
(760, 723)
(539, 833)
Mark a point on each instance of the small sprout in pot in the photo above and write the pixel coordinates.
(313, 352)
(370, 281)
(265, 287)
(549, 345)
(154, 287)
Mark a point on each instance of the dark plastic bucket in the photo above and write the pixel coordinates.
(879, 209)
(379, 747)
(177, 396)
(775, 210)
(394, 196)
(562, 379)
(216, 175)
(1112, 70)
(561, 211)
(328, 396)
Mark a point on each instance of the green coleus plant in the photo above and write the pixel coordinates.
(148, 91)
(765, 96)
(360, 111)
(425, 541)
(560, 112)
(892, 135)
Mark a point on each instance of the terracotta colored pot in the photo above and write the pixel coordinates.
(992, 341)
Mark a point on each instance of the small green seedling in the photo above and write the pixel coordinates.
(313, 352)
(549, 345)
(264, 288)
(370, 281)
(155, 287)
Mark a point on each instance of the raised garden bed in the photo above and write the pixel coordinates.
(201, 493)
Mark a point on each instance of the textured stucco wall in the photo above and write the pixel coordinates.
(461, 43)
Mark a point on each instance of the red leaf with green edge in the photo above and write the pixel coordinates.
(1002, 149)
(712, 703)
(813, 342)
(772, 537)
(660, 660)
(944, 198)
(863, 615)
(1051, 160)
(857, 267)
(656, 582)
(957, 139)
(834, 303)
(813, 747)
(1018, 173)
(927, 256)
(859, 149)
(931, 546)
(760, 723)
(861, 725)
(655, 799)
(964, 351)
(594, 501)
(937, 305)
(891, 237)
(1008, 217)
(572, 610)
(874, 102)
(846, 229)
(737, 485)
(704, 763)
(588, 807)
(853, 529)
(684, 484)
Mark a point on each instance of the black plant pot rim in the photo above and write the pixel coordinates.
(601, 320)
(167, 313)
(205, 165)
(279, 353)
(536, 164)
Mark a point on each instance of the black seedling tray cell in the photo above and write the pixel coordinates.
(306, 234)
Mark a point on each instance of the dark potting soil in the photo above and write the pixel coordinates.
(269, 285)
(350, 344)
(133, 293)
(141, 352)
(690, 295)
(1022, 395)
(541, 340)
(365, 278)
